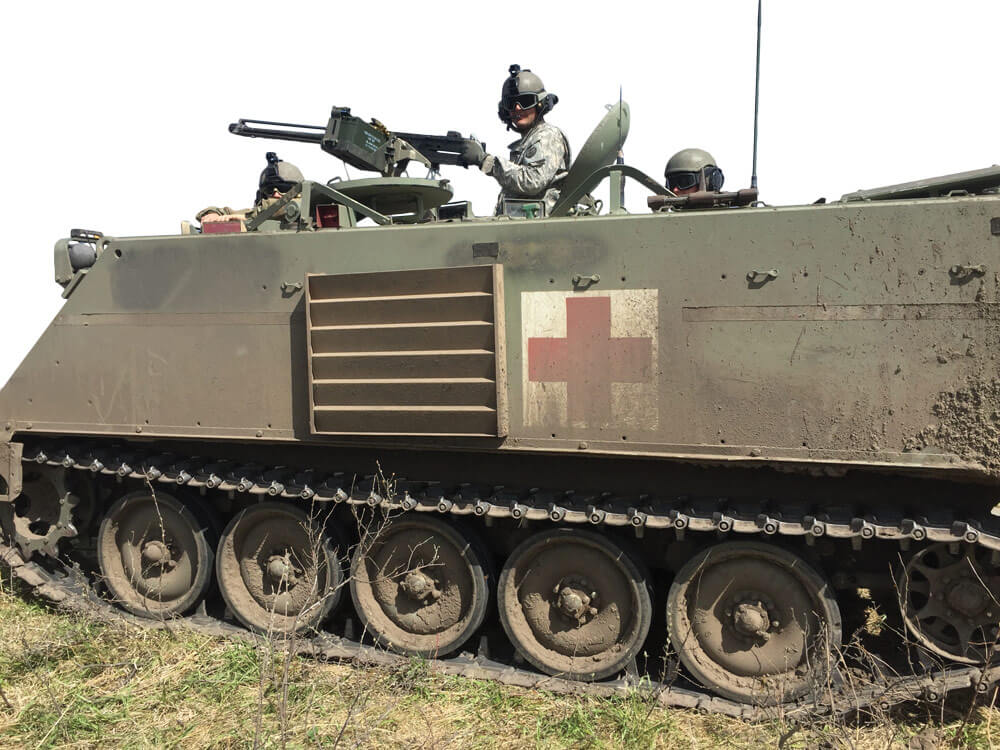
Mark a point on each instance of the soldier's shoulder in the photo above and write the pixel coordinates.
(550, 135)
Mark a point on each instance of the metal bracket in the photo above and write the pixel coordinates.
(962, 271)
(273, 209)
(579, 280)
(357, 206)
(761, 276)
(10, 471)
(569, 200)
(74, 282)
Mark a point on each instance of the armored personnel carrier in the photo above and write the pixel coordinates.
(375, 415)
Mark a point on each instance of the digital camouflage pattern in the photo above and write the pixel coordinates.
(538, 160)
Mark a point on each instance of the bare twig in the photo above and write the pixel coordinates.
(6, 702)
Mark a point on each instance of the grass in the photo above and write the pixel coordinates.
(69, 683)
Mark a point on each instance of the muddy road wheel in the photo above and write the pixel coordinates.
(574, 604)
(421, 586)
(278, 569)
(754, 622)
(949, 596)
(155, 555)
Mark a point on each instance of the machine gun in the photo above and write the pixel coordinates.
(368, 146)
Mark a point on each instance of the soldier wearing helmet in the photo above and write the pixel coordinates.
(277, 179)
(693, 170)
(540, 159)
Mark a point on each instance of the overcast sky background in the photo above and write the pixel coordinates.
(116, 113)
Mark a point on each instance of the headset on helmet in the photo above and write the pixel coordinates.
(277, 175)
(527, 89)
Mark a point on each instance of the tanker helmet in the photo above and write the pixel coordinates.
(693, 167)
(526, 89)
(277, 175)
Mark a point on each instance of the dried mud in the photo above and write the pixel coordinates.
(968, 424)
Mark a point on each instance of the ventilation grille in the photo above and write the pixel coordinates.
(407, 352)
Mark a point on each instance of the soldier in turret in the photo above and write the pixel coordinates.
(540, 159)
(277, 179)
(692, 170)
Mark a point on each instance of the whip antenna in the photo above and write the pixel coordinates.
(621, 155)
(756, 102)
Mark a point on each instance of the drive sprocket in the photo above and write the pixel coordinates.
(43, 514)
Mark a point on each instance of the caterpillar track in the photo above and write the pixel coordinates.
(35, 559)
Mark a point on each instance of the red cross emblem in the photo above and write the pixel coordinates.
(589, 360)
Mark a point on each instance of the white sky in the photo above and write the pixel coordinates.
(116, 112)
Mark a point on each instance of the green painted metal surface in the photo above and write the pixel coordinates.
(659, 334)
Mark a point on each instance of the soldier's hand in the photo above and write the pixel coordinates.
(473, 153)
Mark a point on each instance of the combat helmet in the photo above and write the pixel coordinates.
(525, 88)
(277, 175)
(693, 167)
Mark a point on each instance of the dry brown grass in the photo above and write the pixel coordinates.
(67, 682)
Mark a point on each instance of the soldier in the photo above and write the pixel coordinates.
(277, 179)
(541, 158)
(693, 170)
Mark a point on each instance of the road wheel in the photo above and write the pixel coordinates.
(277, 569)
(754, 622)
(420, 585)
(574, 604)
(155, 555)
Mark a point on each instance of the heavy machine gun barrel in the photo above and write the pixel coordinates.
(247, 127)
(368, 146)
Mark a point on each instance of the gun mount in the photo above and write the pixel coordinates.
(368, 146)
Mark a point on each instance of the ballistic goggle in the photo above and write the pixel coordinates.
(270, 184)
(687, 180)
(524, 101)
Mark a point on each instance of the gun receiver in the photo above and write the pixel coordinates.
(367, 146)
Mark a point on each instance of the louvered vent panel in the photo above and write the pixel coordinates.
(407, 352)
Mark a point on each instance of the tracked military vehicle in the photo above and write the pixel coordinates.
(546, 436)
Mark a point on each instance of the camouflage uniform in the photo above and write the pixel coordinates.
(537, 161)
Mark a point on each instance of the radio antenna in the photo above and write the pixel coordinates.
(756, 102)
(621, 156)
